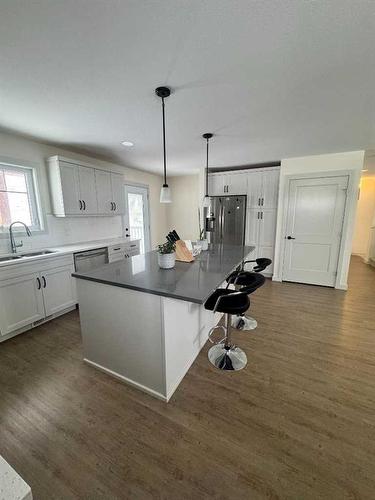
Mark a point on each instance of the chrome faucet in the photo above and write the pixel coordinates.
(13, 244)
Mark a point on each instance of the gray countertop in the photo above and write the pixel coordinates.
(192, 282)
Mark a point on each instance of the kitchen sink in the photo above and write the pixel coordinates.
(35, 254)
(10, 257)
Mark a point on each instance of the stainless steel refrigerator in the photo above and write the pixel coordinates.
(226, 219)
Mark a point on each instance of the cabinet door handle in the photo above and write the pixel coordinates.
(44, 282)
(261, 215)
(258, 202)
(115, 205)
(84, 204)
(262, 202)
(80, 204)
(257, 215)
(38, 283)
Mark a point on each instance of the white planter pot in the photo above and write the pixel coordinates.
(166, 260)
(203, 244)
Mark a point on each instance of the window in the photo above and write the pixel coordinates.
(18, 197)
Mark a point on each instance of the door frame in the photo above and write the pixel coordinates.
(347, 227)
(125, 217)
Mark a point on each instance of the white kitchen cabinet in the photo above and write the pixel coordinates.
(87, 190)
(79, 190)
(254, 188)
(270, 188)
(104, 191)
(58, 289)
(267, 227)
(110, 193)
(231, 184)
(118, 193)
(67, 198)
(263, 188)
(216, 183)
(21, 302)
(236, 183)
(32, 292)
(252, 227)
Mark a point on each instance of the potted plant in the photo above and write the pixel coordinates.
(202, 241)
(166, 255)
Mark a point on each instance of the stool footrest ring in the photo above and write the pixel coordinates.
(212, 330)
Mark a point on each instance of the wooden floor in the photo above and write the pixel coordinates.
(297, 423)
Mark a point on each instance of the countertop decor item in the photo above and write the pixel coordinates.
(165, 192)
(167, 255)
(206, 199)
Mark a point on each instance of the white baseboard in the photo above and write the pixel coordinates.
(126, 380)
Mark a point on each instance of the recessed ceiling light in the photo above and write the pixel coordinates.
(365, 170)
(128, 144)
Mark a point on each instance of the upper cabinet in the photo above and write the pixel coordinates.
(83, 190)
(227, 183)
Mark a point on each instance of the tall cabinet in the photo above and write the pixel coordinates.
(262, 197)
(261, 187)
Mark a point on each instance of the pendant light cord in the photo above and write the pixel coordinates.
(164, 148)
(207, 168)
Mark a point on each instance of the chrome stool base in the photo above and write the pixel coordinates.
(230, 358)
(244, 323)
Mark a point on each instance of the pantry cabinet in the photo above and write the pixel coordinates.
(82, 190)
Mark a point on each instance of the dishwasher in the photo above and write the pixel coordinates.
(90, 259)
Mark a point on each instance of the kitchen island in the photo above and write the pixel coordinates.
(146, 325)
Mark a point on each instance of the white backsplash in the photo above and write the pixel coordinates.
(65, 231)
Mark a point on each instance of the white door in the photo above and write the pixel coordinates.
(88, 190)
(216, 184)
(254, 189)
(236, 183)
(70, 188)
(104, 192)
(117, 182)
(58, 289)
(313, 230)
(137, 219)
(21, 302)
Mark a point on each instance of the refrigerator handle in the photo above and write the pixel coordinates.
(222, 220)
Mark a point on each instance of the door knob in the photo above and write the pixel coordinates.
(290, 238)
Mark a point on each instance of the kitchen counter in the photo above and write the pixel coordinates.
(12, 486)
(145, 325)
(65, 250)
(192, 281)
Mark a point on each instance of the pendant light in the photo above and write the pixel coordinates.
(165, 192)
(206, 199)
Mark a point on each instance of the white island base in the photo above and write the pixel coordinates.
(146, 340)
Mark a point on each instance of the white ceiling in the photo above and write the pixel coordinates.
(271, 79)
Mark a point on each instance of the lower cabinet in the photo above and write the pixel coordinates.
(21, 302)
(28, 297)
(58, 291)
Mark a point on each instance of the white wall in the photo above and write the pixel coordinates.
(350, 162)
(71, 230)
(182, 213)
(364, 217)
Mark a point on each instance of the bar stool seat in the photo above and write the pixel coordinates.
(232, 305)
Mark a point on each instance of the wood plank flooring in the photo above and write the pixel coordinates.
(297, 423)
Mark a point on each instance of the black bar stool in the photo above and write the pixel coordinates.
(249, 281)
(225, 355)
